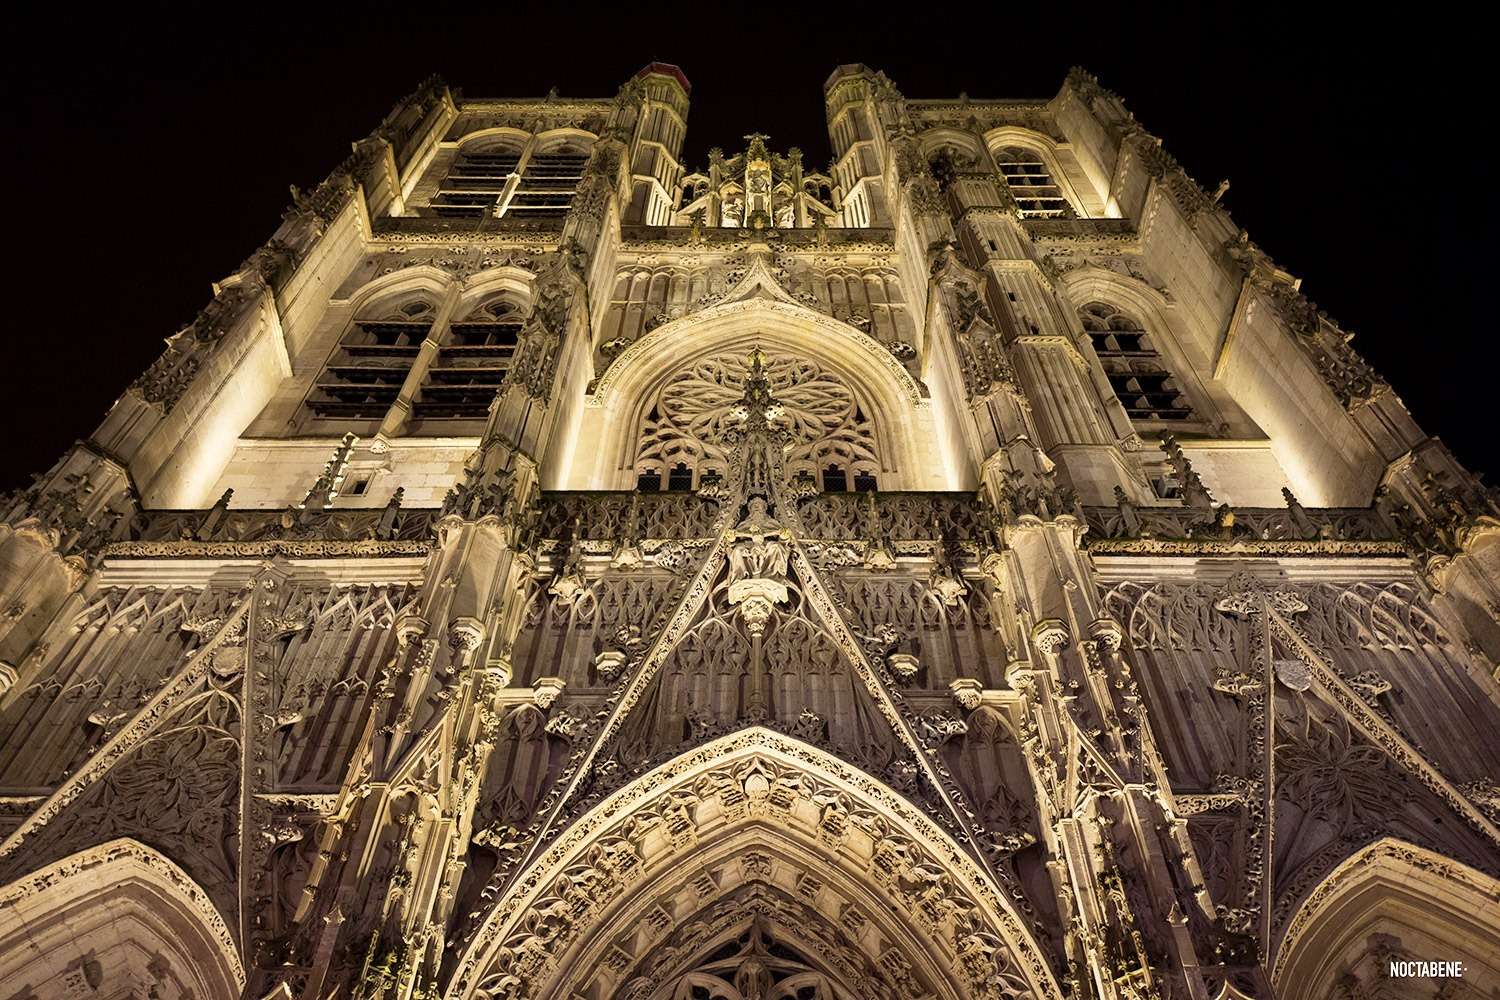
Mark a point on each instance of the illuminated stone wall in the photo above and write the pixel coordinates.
(968, 568)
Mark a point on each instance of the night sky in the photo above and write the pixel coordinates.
(148, 156)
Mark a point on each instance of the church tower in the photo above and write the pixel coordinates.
(968, 569)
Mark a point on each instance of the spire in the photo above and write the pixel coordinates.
(756, 150)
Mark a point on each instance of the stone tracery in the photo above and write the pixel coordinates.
(648, 836)
(527, 732)
(689, 418)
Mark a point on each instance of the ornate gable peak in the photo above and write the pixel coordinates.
(759, 282)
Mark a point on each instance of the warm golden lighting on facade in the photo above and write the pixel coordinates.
(970, 569)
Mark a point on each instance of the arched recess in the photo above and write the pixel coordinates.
(1390, 900)
(121, 919)
(915, 456)
(1189, 355)
(836, 867)
(512, 283)
(558, 138)
(1188, 362)
(953, 149)
(1061, 165)
(425, 279)
(498, 138)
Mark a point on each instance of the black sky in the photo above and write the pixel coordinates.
(151, 152)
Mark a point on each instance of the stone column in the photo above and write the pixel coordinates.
(399, 415)
(1100, 785)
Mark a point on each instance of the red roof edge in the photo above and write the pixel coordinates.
(667, 69)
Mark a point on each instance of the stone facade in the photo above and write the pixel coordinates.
(548, 569)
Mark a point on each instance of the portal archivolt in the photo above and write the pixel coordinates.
(115, 921)
(753, 866)
(1391, 901)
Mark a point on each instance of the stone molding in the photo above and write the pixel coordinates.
(110, 862)
(609, 825)
(1403, 860)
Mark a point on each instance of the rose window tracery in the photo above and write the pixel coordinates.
(687, 427)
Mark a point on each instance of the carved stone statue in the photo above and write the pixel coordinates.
(757, 566)
(759, 550)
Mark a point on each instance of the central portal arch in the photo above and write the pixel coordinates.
(754, 865)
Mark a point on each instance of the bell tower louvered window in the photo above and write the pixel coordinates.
(1142, 382)
(548, 184)
(475, 183)
(1031, 184)
(470, 365)
(371, 363)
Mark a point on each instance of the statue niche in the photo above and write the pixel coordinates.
(757, 567)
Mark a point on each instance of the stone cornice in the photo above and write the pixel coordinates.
(303, 548)
(523, 105)
(422, 229)
(1251, 547)
(640, 239)
(944, 105)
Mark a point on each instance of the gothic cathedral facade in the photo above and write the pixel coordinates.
(546, 569)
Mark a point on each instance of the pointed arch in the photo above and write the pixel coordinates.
(426, 279)
(1054, 159)
(551, 139)
(499, 137)
(808, 826)
(513, 283)
(1389, 898)
(1092, 282)
(934, 139)
(120, 913)
(898, 405)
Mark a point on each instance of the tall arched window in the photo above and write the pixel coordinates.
(1031, 184)
(366, 372)
(373, 361)
(1136, 372)
(477, 179)
(471, 363)
(549, 181)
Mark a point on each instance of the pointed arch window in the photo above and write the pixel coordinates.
(471, 364)
(479, 179)
(366, 373)
(548, 183)
(475, 181)
(1140, 379)
(376, 356)
(1032, 185)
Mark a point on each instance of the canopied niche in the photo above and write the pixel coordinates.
(755, 865)
(1392, 901)
(893, 434)
(115, 921)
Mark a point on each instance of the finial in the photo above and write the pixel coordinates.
(1194, 493)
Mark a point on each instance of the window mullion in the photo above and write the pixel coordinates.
(397, 417)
